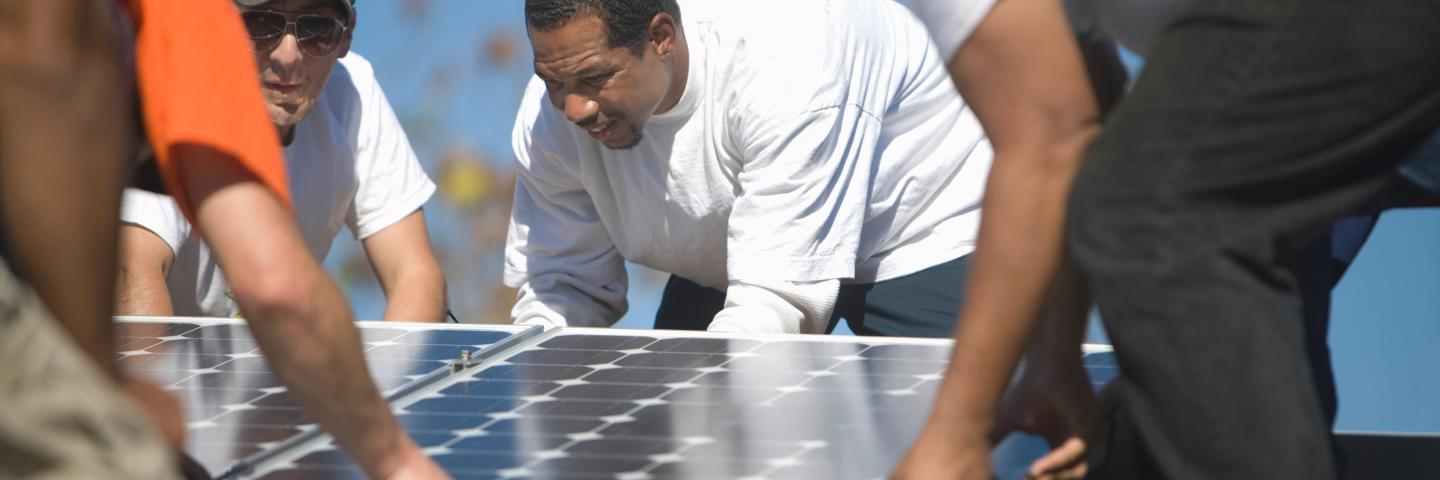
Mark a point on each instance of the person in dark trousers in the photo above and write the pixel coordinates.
(1255, 126)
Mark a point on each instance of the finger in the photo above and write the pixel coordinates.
(1074, 473)
(1062, 458)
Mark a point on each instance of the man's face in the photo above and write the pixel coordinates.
(293, 70)
(608, 92)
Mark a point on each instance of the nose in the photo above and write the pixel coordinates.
(287, 53)
(579, 108)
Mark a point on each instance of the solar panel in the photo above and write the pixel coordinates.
(585, 403)
(236, 407)
(577, 403)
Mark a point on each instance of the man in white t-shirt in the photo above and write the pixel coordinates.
(787, 168)
(349, 162)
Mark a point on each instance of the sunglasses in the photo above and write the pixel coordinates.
(317, 35)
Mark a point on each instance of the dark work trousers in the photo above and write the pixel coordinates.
(922, 304)
(1256, 125)
(1318, 269)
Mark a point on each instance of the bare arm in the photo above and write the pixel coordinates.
(295, 311)
(1022, 73)
(64, 150)
(406, 266)
(145, 261)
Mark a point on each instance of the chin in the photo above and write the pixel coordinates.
(286, 115)
(627, 144)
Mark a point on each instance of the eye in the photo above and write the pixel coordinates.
(597, 80)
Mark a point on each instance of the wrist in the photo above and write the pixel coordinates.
(964, 426)
(393, 462)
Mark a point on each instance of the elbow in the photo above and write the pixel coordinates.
(1067, 134)
(285, 296)
(1069, 147)
(1052, 153)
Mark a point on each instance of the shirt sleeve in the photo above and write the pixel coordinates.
(558, 253)
(156, 213)
(951, 22)
(198, 87)
(777, 307)
(794, 230)
(804, 189)
(391, 183)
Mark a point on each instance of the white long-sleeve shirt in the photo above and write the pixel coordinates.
(818, 143)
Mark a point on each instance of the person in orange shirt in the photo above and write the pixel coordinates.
(63, 110)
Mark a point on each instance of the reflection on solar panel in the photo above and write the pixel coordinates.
(572, 403)
(236, 407)
(603, 404)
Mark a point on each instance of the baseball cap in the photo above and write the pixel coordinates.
(349, 5)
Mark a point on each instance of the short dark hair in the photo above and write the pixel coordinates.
(625, 20)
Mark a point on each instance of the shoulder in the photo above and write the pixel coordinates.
(354, 72)
(357, 67)
(541, 133)
(817, 54)
(351, 85)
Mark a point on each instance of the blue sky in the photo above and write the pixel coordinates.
(435, 59)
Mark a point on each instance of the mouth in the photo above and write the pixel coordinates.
(603, 132)
(283, 88)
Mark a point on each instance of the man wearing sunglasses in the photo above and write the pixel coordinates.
(66, 113)
(349, 161)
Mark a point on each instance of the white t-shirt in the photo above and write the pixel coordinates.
(950, 22)
(349, 163)
(1135, 23)
(819, 142)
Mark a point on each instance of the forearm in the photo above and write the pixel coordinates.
(296, 313)
(1014, 272)
(555, 299)
(144, 262)
(416, 296)
(405, 264)
(315, 349)
(63, 160)
(141, 293)
(1059, 334)
(1023, 75)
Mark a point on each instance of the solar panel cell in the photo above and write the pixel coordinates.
(566, 357)
(643, 376)
(509, 443)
